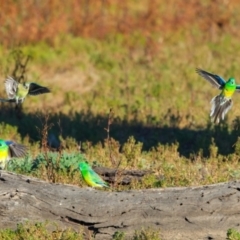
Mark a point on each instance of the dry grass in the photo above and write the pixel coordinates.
(138, 60)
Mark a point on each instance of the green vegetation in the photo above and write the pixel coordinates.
(51, 231)
(40, 231)
(233, 234)
(144, 234)
(125, 93)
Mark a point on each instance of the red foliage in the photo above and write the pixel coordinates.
(34, 20)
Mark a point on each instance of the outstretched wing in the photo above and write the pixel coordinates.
(16, 149)
(215, 80)
(35, 89)
(11, 86)
(238, 88)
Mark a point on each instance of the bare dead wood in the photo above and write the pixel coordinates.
(123, 177)
(205, 212)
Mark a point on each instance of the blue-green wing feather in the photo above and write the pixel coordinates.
(214, 79)
(96, 178)
(238, 88)
(9, 142)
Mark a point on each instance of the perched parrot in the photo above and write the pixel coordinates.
(8, 150)
(17, 92)
(90, 177)
(222, 103)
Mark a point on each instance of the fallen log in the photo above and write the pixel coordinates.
(121, 176)
(205, 212)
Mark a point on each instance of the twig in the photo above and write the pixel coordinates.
(109, 142)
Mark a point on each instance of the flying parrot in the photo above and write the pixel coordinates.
(91, 177)
(10, 149)
(221, 103)
(17, 92)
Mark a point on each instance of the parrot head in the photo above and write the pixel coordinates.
(83, 166)
(26, 85)
(231, 81)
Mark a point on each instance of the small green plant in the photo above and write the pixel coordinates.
(24, 166)
(132, 151)
(118, 236)
(143, 234)
(233, 234)
(147, 234)
(64, 166)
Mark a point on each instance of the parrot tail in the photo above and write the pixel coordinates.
(220, 106)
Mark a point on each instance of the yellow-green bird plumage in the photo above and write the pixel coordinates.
(91, 177)
(17, 92)
(221, 103)
(10, 149)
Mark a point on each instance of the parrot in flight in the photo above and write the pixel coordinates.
(10, 149)
(17, 92)
(221, 103)
(91, 177)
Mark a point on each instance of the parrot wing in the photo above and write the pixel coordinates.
(35, 89)
(96, 178)
(238, 88)
(215, 80)
(11, 86)
(16, 149)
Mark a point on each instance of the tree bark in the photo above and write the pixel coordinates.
(205, 212)
(123, 177)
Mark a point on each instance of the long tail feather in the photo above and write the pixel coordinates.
(220, 106)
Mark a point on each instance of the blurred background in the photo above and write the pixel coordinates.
(127, 63)
(157, 20)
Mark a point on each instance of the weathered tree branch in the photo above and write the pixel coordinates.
(123, 177)
(180, 213)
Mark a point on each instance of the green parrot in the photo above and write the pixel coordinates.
(222, 103)
(17, 92)
(91, 177)
(10, 149)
